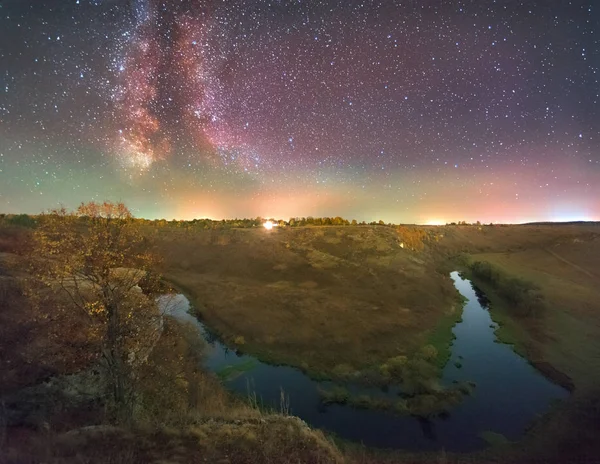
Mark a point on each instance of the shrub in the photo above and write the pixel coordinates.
(413, 237)
(337, 395)
(419, 376)
(424, 405)
(343, 371)
(429, 352)
(523, 297)
(394, 368)
(362, 402)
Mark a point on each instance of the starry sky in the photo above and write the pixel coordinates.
(406, 111)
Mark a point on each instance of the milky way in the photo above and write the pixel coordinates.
(401, 111)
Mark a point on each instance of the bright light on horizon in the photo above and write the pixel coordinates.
(269, 225)
(435, 222)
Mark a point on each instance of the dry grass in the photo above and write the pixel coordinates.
(175, 391)
(311, 297)
(501, 239)
(274, 440)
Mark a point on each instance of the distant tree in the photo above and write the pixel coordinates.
(354, 222)
(98, 261)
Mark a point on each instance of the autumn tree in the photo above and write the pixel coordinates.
(413, 237)
(96, 260)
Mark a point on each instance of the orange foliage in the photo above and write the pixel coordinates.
(96, 260)
(413, 237)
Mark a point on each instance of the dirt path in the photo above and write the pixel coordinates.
(573, 265)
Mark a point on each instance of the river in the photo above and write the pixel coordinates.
(509, 392)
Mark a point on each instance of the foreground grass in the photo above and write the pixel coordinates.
(274, 440)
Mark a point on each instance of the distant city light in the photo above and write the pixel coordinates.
(269, 225)
(435, 222)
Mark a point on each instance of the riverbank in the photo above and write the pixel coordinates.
(562, 341)
(567, 335)
(513, 332)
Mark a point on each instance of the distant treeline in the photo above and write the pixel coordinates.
(25, 220)
(259, 221)
(29, 221)
(566, 223)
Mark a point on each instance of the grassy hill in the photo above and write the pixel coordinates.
(313, 297)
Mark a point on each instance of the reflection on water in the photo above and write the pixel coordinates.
(509, 394)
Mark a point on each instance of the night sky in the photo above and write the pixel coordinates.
(406, 111)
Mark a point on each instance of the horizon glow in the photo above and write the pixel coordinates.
(431, 113)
